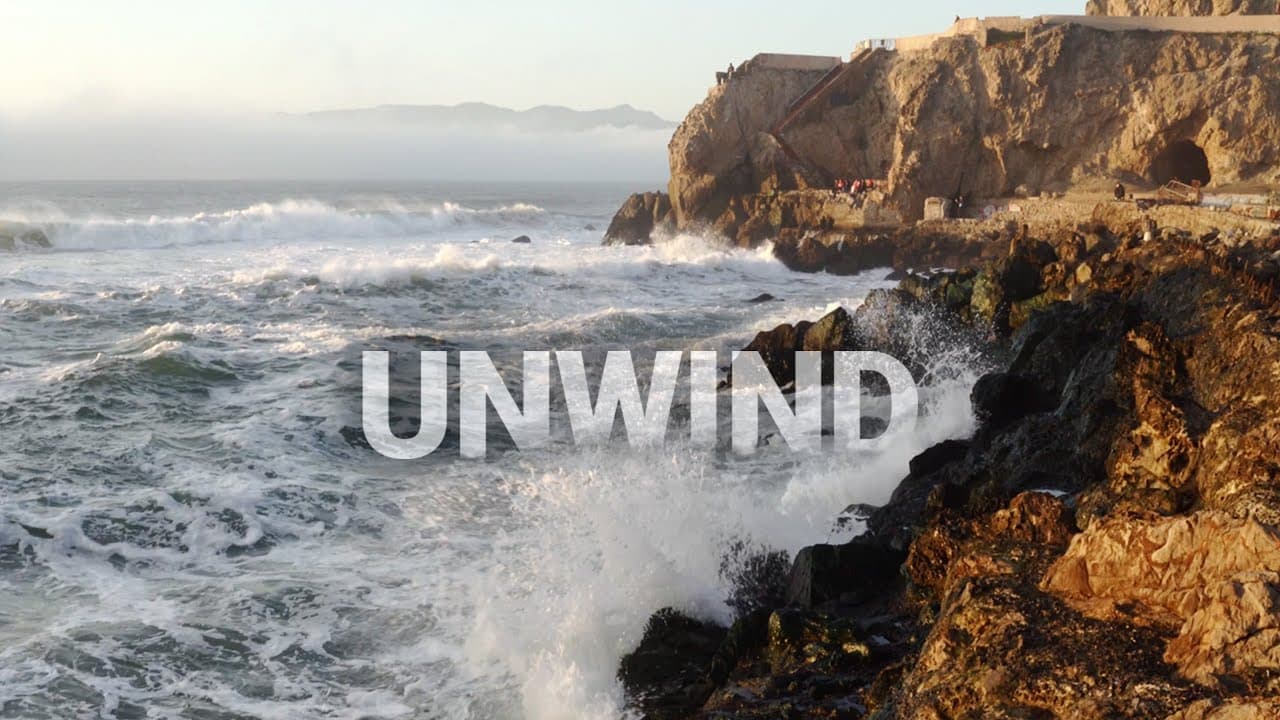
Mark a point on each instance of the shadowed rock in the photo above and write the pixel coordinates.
(639, 218)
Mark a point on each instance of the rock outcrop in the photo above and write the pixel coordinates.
(1040, 113)
(642, 215)
(1047, 108)
(1180, 7)
(1106, 544)
(718, 155)
(1214, 578)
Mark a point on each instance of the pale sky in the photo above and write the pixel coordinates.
(151, 57)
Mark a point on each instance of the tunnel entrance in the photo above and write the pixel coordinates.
(1183, 161)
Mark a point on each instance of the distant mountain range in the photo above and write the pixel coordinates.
(483, 116)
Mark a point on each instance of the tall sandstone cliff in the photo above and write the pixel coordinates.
(1181, 7)
(1063, 105)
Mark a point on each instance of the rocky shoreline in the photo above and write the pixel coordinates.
(1105, 545)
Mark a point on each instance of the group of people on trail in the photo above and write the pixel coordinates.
(726, 76)
(853, 187)
(954, 207)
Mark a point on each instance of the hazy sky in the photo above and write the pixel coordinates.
(232, 56)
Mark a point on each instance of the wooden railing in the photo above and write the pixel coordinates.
(1179, 192)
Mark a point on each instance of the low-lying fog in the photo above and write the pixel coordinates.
(353, 146)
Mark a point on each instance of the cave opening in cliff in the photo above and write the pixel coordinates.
(1183, 161)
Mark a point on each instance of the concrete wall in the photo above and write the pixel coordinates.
(775, 61)
(916, 43)
(1221, 24)
(974, 26)
(978, 28)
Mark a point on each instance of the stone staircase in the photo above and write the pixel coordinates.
(822, 89)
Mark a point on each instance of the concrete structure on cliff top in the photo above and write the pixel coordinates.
(1140, 91)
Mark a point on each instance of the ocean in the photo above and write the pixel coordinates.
(188, 530)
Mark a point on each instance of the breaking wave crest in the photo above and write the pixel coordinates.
(287, 220)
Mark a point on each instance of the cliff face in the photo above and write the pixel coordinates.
(1067, 104)
(1181, 7)
(718, 151)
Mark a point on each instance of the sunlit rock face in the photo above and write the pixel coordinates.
(1181, 7)
(1057, 107)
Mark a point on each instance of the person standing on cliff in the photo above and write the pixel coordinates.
(1120, 191)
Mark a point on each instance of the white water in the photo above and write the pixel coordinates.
(181, 363)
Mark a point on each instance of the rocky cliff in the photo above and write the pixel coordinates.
(1049, 109)
(1105, 545)
(723, 149)
(1181, 7)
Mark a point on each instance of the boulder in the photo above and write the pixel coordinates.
(850, 574)
(799, 638)
(833, 331)
(777, 348)
(667, 675)
(998, 649)
(1167, 568)
(934, 458)
(1001, 398)
(639, 218)
(523, 240)
(1233, 639)
(834, 253)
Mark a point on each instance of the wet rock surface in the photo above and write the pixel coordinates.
(1104, 545)
(639, 218)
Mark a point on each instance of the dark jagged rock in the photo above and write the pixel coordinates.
(848, 574)
(778, 347)
(523, 240)
(639, 218)
(1001, 398)
(668, 674)
(762, 298)
(889, 321)
(1103, 546)
(800, 637)
(945, 452)
(833, 331)
(838, 255)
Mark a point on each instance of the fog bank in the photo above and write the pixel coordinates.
(306, 148)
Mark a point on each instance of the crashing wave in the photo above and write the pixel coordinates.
(287, 220)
